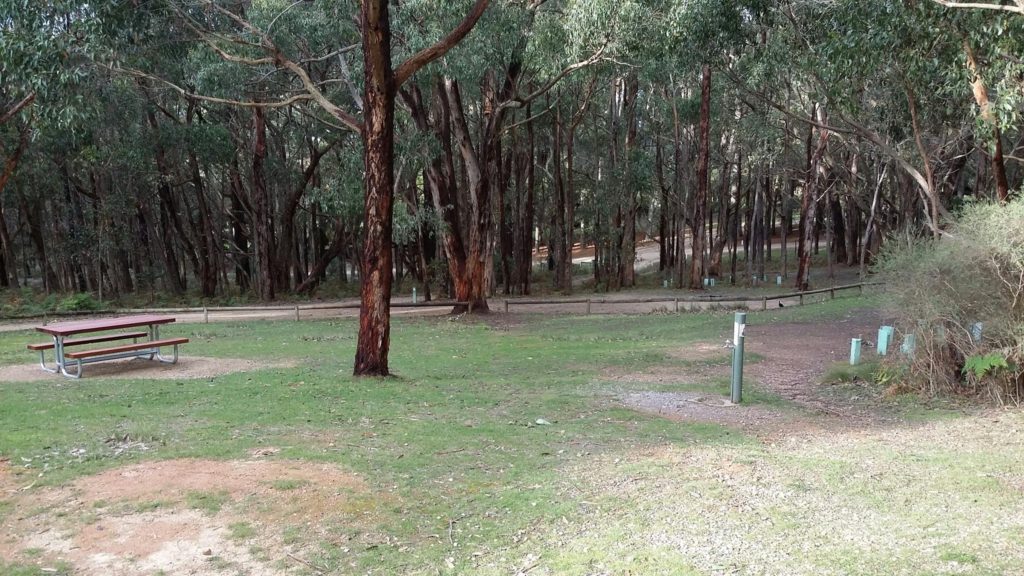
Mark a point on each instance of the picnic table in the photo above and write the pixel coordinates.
(149, 347)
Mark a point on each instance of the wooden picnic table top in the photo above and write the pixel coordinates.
(101, 324)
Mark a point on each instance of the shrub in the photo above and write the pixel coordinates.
(81, 302)
(941, 289)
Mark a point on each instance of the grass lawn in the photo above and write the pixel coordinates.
(501, 449)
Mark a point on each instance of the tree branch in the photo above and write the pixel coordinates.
(214, 99)
(428, 55)
(276, 58)
(519, 102)
(1018, 9)
(10, 114)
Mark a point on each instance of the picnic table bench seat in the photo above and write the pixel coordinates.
(92, 340)
(73, 335)
(77, 354)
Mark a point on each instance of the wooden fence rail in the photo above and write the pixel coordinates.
(708, 299)
(297, 309)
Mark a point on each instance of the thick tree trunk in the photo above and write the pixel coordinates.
(287, 264)
(984, 104)
(8, 264)
(627, 259)
(35, 227)
(378, 164)
(526, 230)
(240, 238)
(262, 221)
(680, 195)
(700, 198)
(838, 230)
(319, 268)
(561, 251)
(809, 207)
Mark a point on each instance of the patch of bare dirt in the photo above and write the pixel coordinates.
(187, 368)
(702, 352)
(706, 407)
(796, 355)
(145, 519)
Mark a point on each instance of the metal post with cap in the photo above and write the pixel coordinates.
(738, 328)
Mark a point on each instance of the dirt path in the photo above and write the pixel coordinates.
(796, 355)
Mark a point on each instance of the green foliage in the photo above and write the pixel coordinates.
(982, 365)
(940, 289)
(81, 302)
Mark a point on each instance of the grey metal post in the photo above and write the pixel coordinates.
(506, 306)
(296, 312)
(206, 315)
(588, 305)
(738, 328)
(413, 294)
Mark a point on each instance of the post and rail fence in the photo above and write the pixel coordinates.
(709, 299)
(750, 301)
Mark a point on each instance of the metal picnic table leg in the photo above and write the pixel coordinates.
(62, 362)
(155, 331)
(154, 334)
(42, 360)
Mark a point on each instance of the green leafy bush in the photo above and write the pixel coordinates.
(81, 302)
(985, 364)
(942, 289)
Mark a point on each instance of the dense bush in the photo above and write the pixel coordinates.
(941, 290)
(81, 302)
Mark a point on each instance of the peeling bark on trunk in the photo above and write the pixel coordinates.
(809, 207)
(980, 92)
(378, 162)
(700, 198)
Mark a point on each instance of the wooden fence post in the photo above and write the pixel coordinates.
(506, 306)
(588, 306)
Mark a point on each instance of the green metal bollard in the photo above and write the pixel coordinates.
(854, 351)
(885, 334)
(738, 328)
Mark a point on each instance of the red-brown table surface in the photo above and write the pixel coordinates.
(102, 324)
